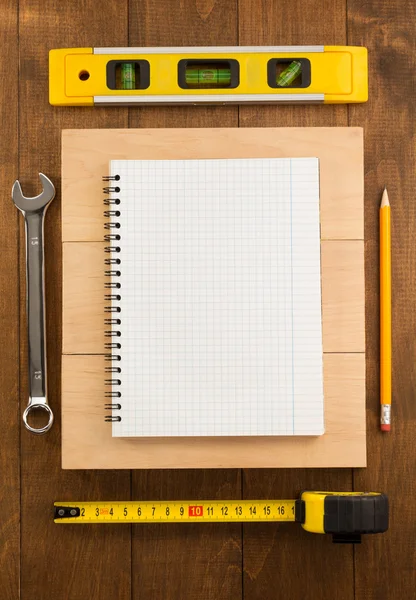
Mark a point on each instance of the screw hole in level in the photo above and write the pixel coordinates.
(84, 75)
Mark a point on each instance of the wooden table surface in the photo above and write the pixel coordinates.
(40, 560)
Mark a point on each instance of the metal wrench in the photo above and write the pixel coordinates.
(33, 210)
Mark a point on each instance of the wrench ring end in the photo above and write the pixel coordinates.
(32, 407)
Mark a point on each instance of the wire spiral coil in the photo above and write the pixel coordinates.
(112, 296)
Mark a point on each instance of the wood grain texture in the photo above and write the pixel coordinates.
(55, 564)
(342, 281)
(83, 298)
(87, 441)
(75, 563)
(295, 22)
(195, 563)
(9, 310)
(387, 28)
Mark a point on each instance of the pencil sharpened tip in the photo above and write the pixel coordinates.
(385, 198)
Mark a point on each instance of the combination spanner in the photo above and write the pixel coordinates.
(33, 210)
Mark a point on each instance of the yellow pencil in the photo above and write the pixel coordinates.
(385, 313)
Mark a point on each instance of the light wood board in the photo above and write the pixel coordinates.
(86, 440)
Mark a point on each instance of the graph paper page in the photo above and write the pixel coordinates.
(221, 331)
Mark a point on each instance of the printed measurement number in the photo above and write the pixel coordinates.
(267, 511)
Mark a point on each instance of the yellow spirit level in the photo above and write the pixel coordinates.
(209, 75)
(346, 515)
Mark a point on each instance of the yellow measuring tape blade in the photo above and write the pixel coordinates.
(196, 511)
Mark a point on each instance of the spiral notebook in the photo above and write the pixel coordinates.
(214, 298)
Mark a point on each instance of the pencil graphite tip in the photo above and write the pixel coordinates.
(385, 198)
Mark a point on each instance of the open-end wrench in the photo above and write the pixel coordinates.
(33, 210)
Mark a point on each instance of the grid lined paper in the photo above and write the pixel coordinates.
(221, 330)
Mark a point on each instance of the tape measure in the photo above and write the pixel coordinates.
(346, 515)
(216, 75)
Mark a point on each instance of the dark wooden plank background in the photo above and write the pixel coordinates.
(39, 560)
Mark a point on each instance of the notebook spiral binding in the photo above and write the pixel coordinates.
(112, 296)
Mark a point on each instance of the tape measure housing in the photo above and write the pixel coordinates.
(346, 515)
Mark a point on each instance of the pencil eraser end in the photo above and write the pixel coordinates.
(385, 427)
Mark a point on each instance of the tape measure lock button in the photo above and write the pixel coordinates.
(299, 511)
